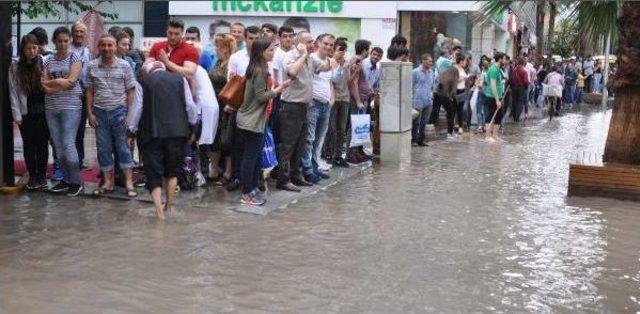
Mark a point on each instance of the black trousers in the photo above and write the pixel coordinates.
(293, 131)
(80, 134)
(252, 144)
(519, 99)
(35, 145)
(162, 158)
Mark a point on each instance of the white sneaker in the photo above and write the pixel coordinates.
(324, 166)
(451, 137)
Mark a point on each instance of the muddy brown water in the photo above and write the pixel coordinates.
(464, 226)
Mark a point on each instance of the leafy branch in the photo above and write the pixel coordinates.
(35, 8)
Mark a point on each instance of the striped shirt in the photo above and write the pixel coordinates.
(67, 99)
(110, 82)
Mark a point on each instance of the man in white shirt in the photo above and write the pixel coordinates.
(239, 61)
(285, 35)
(371, 68)
(531, 70)
(318, 113)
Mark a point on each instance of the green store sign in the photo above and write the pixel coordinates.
(300, 6)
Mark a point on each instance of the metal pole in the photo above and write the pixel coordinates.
(605, 92)
(6, 130)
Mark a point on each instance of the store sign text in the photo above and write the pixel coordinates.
(301, 6)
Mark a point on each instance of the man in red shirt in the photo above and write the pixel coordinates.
(175, 53)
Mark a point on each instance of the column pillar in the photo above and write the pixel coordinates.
(396, 94)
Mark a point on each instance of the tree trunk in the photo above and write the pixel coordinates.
(623, 141)
(540, 29)
(553, 9)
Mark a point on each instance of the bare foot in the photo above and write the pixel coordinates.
(499, 139)
(160, 213)
(491, 139)
(169, 209)
(460, 130)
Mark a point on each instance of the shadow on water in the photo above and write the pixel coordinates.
(464, 226)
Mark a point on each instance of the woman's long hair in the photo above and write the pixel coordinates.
(29, 71)
(256, 60)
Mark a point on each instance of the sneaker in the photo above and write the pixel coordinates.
(322, 175)
(340, 162)
(252, 199)
(451, 137)
(61, 187)
(262, 186)
(75, 190)
(57, 175)
(312, 178)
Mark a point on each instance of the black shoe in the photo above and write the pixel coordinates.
(233, 185)
(288, 187)
(61, 187)
(312, 178)
(340, 162)
(75, 190)
(323, 175)
(301, 182)
(422, 144)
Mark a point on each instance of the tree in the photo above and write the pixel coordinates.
(34, 8)
(553, 10)
(567, 39)
(623, 140)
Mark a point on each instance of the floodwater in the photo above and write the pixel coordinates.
(465, 226)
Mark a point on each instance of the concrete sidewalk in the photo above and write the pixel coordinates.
(216, 196)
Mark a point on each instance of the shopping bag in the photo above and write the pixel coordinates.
(360, 130)
(551, 90)
(268, 157)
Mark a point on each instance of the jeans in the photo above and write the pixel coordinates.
(461, 98)
(417, 127)
(63, 126)
(252, 144)
(35, 142)
(318, 123)
(480, 109)
(293, 131)
(570, 90)
(343, 115)
(111, 131)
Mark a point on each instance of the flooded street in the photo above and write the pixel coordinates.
(465, 226)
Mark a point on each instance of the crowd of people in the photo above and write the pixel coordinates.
(299, 92)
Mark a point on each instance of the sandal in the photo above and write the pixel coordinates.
(131, 192)
(102, 191)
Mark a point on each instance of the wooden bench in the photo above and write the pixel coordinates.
(606, 180)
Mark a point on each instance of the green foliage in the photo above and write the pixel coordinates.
(35, 8)
(566, 39)
(597, 18)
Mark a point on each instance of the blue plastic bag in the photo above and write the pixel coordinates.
(268, 157)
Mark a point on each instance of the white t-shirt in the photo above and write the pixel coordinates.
(532, 72)
(238, 63)
(277, 64)
(207, 106)
(462, 78)
(322, 83)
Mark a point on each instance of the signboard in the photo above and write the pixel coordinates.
(303, 8)
(260, 6)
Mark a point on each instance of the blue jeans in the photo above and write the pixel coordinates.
(318, 121)
(111, 131)
(63, 126)
(480, 109)
(251, 170)
(568, 96)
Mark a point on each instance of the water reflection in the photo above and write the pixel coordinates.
(464, 226)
